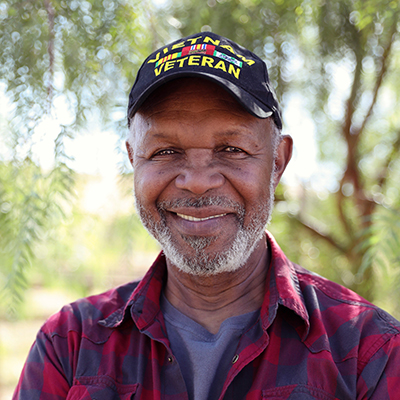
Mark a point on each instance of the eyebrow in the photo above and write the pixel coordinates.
(233, 133)
(160, 135)
(229, 133)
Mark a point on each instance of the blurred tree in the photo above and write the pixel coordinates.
(62, 64)
(313, 47)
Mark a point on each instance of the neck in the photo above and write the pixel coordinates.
(210, 300)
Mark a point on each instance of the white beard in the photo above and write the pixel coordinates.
(201, 262)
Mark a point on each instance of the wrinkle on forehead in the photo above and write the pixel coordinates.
(183, 92)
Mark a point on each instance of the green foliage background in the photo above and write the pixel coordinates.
(85, 54)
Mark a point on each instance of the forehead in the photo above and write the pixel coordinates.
(191, 94)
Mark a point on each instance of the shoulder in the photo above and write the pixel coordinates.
(330, 293)
(343, 319)
(83, 316)
(310, 281)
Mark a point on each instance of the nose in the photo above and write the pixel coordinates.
(200, 173)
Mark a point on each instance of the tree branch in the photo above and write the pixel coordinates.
(352, 137)
(318, 234)
(383, 174)
(351, 173)
(50, 49)
(379, 80)
(350, 101)
(342, 215)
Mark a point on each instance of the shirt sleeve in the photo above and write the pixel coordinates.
(380, 377)
(44, 374)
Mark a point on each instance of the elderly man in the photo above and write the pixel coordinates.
(222, 313)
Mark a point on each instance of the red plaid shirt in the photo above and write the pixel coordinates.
(314, 340)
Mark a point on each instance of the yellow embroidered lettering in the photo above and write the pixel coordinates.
(169, 65)
(194, 60)
(248, 62)
(225, 46)
(165, 50)
(207, 61)
(154, 59)
(194, 40)
(178, 45)
(221, 65)
(214, 42)
(234, 71)
(181, 61)
(158, 70)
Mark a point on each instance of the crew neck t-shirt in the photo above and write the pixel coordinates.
(201, 355)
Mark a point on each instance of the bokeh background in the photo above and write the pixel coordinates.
(67, 222)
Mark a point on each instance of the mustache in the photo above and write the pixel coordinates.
(199, 202)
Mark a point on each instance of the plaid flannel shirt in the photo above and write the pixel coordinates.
(314, 340)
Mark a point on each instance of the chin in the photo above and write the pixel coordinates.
(198, 260)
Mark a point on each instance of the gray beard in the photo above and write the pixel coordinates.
(200, 262)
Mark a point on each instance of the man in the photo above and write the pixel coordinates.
(221, 314)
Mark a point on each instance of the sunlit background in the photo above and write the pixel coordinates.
(68, 227)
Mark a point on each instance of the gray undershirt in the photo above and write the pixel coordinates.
(204, 358)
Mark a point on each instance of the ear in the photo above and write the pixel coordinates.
(283, 156)
(130, 152)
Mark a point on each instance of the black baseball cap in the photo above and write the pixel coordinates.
(236, 69)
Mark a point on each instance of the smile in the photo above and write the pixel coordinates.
(190, 218)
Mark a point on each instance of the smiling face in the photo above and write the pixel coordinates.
(205, 171)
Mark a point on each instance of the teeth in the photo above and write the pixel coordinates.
(190, 218)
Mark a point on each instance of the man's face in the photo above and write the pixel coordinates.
(204, 175)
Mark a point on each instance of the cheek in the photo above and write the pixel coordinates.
(252, 184)
(149, 184)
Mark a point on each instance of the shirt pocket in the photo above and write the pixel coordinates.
(297, 392)
(100, 388)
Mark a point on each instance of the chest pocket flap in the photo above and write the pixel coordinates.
(100, 388)
(297, 392)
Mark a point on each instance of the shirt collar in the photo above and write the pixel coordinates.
(282, 289)
(143, 305)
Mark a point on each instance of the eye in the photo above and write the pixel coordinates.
(232, 149)
(164, 152)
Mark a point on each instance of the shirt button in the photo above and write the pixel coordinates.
(235, 358)
(170, 359)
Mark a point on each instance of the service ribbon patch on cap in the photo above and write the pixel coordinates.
(200, 54)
